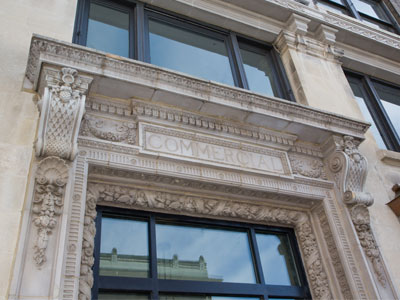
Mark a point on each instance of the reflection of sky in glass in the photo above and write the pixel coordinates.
(390, 97)
(127, 236)
(189, 52)
(366, 7)
(258, 72)
(393, 112)
(275, 268)
(226, 253)
(203, 297)
(368, 118)
(108, 30)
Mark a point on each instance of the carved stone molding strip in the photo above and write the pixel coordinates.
(200, 89)
(173, 202)
(349, 167)
(121, 131)
(50, 180)
(61, 109)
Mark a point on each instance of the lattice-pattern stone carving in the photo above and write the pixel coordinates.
(51, 178)
(174, 202)
(61, 109)
(109, 129)
(349, 167)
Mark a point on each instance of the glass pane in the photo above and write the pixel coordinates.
(359, 96)
(189, 52)
(114, 296)
(205, 254)
(390, 97)
(108, 30)
(370, 8)
(258, 72)
(277, 259)
(333, 8)
(204, 297)
(124, 249)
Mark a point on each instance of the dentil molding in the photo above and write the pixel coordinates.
(61, 109)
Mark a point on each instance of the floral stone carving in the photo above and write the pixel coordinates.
(307, 166)
(51, 178)
(61, 109)
(110, 130)
(349, 167)
(173, 202)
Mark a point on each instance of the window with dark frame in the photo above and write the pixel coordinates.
(373, 12)
(142, 255)
(380, 104)
(135, 30)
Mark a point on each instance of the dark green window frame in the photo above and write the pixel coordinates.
(153, 286)
(139, 15)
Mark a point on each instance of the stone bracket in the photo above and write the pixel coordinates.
(350, 167)
(61, 106)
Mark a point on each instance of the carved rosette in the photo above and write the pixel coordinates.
(307, 166)
(51, 178)
(173, 202)
(349, 167)
(61, 109)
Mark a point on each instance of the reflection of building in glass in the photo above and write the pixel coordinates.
(114, 264)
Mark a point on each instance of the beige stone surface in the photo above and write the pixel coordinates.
(18, 113)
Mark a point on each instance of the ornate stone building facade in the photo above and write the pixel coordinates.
(117, 132)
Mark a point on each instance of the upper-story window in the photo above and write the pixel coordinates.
(380, 105)
(170, 41)
(372, 12)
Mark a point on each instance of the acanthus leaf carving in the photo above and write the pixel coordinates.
(349, 168)
(174, 202)
(51, 178)
(61, 110)
(307, 166)
(109, 130)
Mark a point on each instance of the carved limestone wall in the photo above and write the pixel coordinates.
(349, 167)
(174, 202)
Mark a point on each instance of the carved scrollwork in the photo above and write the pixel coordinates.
(61, 109)
(349, 167)
(110, 130)
(51, 178)
(166, 201)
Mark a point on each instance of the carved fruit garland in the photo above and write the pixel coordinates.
(51, 178)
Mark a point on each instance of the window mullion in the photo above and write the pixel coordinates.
(390, 137)
(241, 75)
(139, 32)
(390, 17)
(96, 253)
(153, 258)
(352, 9)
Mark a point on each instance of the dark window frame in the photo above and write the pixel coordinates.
(153, 286)
(349, 8)
(371, 98)
(140, 37)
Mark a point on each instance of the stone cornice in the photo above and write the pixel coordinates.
(173, 84)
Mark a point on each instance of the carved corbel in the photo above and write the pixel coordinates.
(61, 110)
(350, 167)
(50, 180)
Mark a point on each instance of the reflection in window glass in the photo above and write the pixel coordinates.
(119, 296)
(195, 253)
(204, 297)
(390, 98)
(122, 256)
(189, 52)
(276, 259)
(258, 72)
(358, 94)
(370, 8)
(333, 8)
(108, 30)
